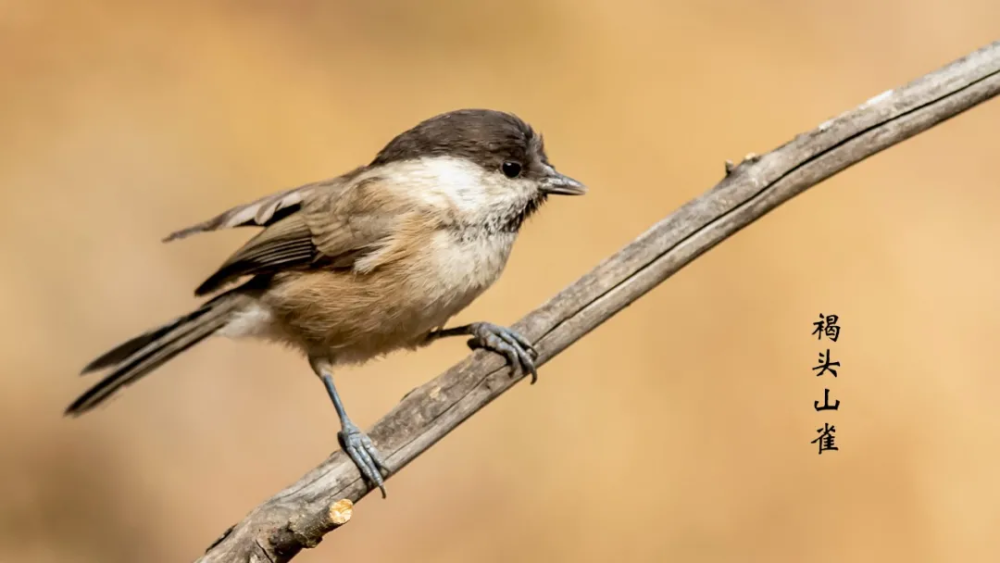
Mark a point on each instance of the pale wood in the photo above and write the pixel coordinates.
(300, 515)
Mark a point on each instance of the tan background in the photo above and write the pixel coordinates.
(678, 431)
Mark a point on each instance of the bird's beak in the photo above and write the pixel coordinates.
(556, 183)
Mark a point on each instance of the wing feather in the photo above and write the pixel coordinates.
(266, 210)
(286, 244)
(334, 229)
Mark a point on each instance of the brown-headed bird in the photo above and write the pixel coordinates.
(372, 261)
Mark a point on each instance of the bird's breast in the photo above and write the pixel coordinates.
(460, 264)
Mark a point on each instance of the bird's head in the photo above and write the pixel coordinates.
(489, 163)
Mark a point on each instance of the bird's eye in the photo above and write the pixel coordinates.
(511, 169)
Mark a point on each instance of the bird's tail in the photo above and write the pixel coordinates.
(146, 352)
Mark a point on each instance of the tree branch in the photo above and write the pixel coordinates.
(320, 501)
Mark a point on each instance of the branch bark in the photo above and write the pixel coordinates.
(299, 516)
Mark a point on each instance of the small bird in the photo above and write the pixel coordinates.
(375, 260)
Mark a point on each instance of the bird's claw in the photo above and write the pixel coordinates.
(502, 340)
(358, 446)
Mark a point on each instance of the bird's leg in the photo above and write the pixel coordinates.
(499, 339)
(355, 443)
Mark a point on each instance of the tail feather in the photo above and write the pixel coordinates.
(126, 349)
(144, 353)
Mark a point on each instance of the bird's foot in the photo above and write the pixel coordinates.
(519, 352)
(358, 446)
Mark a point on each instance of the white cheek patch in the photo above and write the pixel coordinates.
(462, 182)
(448, 181)
(440, 181)
(480, 193)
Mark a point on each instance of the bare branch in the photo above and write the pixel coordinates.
(300, 515)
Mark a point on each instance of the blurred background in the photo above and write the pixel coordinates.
(678, 431)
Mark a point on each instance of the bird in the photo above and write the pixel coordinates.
(375, 260)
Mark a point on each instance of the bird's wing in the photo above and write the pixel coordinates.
(266, 210)
(333, 229)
